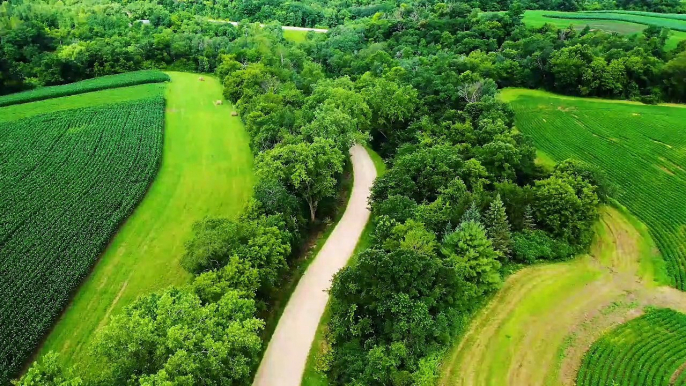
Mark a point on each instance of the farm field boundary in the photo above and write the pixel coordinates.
(84, 86)
(537, 19)
(539, 325)
(653, 19)
(640, 147)
(206, 170)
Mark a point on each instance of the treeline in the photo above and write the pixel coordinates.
(47, 44)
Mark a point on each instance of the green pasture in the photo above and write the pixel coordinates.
(206, 170)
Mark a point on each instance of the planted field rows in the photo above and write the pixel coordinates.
(642, 148)
(90, 85)
(68, 179)
(646, 18)
(647, 351)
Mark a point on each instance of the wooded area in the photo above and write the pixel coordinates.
(462, 204)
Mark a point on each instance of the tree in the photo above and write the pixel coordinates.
(498, 227)
(389, 309)
(170, 338)
(472, 214)
(529, 223)
(237, 275)
(48, 372)
(215, 241)
(674, 75)
(336, 125)
(308, 169)
(566, 207)
(469, 250)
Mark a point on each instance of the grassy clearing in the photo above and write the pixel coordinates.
(311, 376)
(643, 149)
(206, 170)
(560, 20)
(295, 36)
(537, 328)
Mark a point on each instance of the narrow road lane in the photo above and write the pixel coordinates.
(284, 361)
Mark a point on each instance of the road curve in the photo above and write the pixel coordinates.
(284, 361)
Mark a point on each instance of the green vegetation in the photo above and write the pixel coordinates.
(636, 144)
(538, 19)
(462, 205)
(647, 351)
(206, 171)
(295, 36)
(314, 374)
(677, 24)
(69, 179)
(538, 327)
(91, 99)
(90, 85)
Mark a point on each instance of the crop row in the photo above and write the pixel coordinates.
(68, 180)
(675, 16)
(640, 148)
(645, 351)
(671, 23)
(95, 84)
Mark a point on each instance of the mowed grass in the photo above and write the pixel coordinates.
(537, 328)
(206, 170)
(295, 36)
(537, 19)
(642, 148)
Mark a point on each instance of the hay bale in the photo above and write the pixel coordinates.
(234, 114)
(201, 79)
(218, 102)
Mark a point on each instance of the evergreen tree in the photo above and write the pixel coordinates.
(470, 251)
(472, 214)
(529, 223)
(498, 227)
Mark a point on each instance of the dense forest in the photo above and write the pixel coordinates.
(463, 202)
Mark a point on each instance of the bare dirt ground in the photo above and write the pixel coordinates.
(537, 328)
(284, 361)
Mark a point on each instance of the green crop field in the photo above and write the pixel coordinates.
(647, 351)
(646, 18)
(642, 148)
(206, 170)
(624, 27)
(96, 84)
(68, 179)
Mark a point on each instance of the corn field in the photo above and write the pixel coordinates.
(95, 84)
(68, 180)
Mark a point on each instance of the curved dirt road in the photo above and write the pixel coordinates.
(284, 361)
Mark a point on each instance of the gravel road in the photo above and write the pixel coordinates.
(284, 361)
